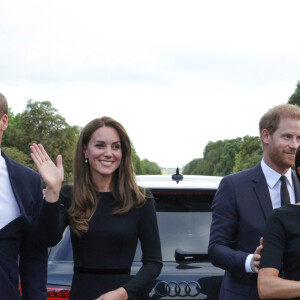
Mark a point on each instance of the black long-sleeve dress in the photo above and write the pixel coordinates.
(103, 256)
(281, 244)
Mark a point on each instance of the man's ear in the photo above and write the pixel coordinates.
(265, 136)
(298, 170)
(3, 122)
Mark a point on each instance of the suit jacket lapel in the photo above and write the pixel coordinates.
(262, 192)
(12, 170)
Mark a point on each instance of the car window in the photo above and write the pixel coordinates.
(183, 216)
(63, 250)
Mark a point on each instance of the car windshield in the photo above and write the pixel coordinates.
(184, 218)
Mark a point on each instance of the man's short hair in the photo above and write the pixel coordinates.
(3, 105)
(271, 119)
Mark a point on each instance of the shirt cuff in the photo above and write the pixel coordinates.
(248, 263)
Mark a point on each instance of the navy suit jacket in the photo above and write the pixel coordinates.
(21, 256)
(240, 209)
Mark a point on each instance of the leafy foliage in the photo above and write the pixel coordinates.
(249, 155)
(16, 154)
(191, 166)
(218, 158)
(212, 154)
(143, 167)
(224, 157)
(227, 158)
(41, 123)
(295, 97)
(10, 136)
(135, 161)
(148, 167)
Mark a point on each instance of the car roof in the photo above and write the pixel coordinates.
(188, 182)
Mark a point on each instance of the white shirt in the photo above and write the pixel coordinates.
(9, 209)
(274, 184)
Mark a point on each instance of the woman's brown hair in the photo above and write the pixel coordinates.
(123, 185)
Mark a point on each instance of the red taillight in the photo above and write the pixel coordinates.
(20, 290)
(56, 292)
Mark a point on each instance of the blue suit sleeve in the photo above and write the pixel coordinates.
(223, 232)
(33, 256)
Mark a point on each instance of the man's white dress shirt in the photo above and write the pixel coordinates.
(274, 184)
(9, 209)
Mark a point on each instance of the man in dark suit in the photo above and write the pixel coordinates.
(22, 259)
(244, 201)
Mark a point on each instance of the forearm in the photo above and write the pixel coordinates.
(144, 279)
(52, 224)
(271, 286)
(224, 241)
(52, 194)
(226, 258)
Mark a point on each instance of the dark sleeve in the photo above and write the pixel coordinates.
(224, 229)
(33, 257)
(54, 218)
(273, 242)
(150, 244)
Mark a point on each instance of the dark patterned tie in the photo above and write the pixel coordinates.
(284, 193)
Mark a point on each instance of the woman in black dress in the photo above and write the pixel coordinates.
(279, 274)
(107, 213)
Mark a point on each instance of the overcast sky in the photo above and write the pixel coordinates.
(176, 74)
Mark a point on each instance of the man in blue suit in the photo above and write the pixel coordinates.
(22, 259)
(244, 201)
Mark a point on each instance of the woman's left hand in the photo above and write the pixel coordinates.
(118, 294)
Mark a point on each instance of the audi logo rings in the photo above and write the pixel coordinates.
(174, 288)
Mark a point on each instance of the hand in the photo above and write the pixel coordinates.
(53, 175)
(255, 261)
(118, 294)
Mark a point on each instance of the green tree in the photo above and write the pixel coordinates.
(218, 158)
(249, 155)
(191, 166)
(227, 158)
(201, 167)
(41, 123)
(295, 97)
(135, 161)
(205, 166)
(16, 154)
(224, 157)
(149, 168)
(10, 135)
(143, 167)
(211, 156)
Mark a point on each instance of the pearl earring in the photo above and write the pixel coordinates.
(86, 161)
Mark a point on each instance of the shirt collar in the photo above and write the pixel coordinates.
(272, 176)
